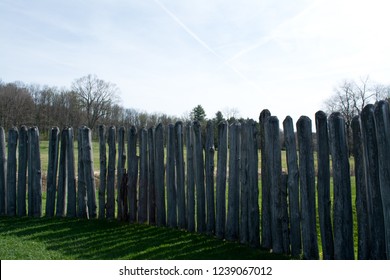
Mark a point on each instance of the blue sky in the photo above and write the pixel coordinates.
(171, 55)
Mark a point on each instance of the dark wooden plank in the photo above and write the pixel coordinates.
(71, 175)
(103, 171)
(11, 171)
(133, 173)
(209, 170)
(62, 178)
(35, 174)
(143, 179)
(22, 171)
(111, 172)
(121, 215)
(151, 178)
(3, 174)
(171, 184)
(180, 176)
(190, 178)
(160, 176)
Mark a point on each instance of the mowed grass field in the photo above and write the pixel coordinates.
(60, 238)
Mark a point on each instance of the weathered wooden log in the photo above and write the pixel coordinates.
(3, 174)
(209, 170)
(232, 221)
(190, 178)
(11, 171)
(293, 186)
(171, 185)
(35, 174)
(221, 179)
(82, 211)
(272, 158)
(253, 192)
(374, 199)
(266, 238)
(160, 176)
(88, 171)
(120, 171)
(244, 184)
(71, 176)
(111, 172)
(363, 249)
(342, 209)
(22, 171)
(382, 123)
(199, 179)
(307, 189)
(180, 176)
(133, 173)
(52, 171)
(62, 178)
(103, 171)
(284, 215)
(151, 178)
(323, 186)
(143, 179)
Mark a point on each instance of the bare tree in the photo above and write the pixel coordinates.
(96, 97)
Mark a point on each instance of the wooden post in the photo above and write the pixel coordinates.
(307, 189)
(72, 199)
(35, 175)
(209, 168)
(221, 179)
(120, 171)
(361, 195)
(159, 173)
(374, 199)
(382, 122)
(180, 176)
(52, 171)
(143, 179)
(111, 172)
(171, 186)
(11, 171)
(151, 178)
(103, 171)
(88, 171)
(81, 184)
(244, 180)
(266, 239)
(133, 173)
(232, 222)
(293, 187)
(62, 178)
(253, 192)
(273, 161)
(199, 179)
(323, 186)
(22, 171)
(3, 174)
(190, 178)
(342, 209)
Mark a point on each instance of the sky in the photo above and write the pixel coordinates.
(168, 56)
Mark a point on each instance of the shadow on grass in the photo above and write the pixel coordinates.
(110, 240)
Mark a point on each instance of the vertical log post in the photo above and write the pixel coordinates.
(143, 179)
(159, 175)
(35, 174)
(151, 178)
(120, 171)
(266, 239)
(342, 209)
(382, 122)
(361, 195)
(72, 199)
(199, 179)
(133, 173)
(190, 178)
(209, 168)
(111, 172)
(11, 171)
(81, 184)
(307, 189)
(323, 186)
(232, 222)
(293, 186)
(22, 171)
(62, 178)
(3, 174)
(103, 171)
(88, 171)
(244, 180)
(180, 176)
(221, 179)
(171, 185)
(52, 171)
